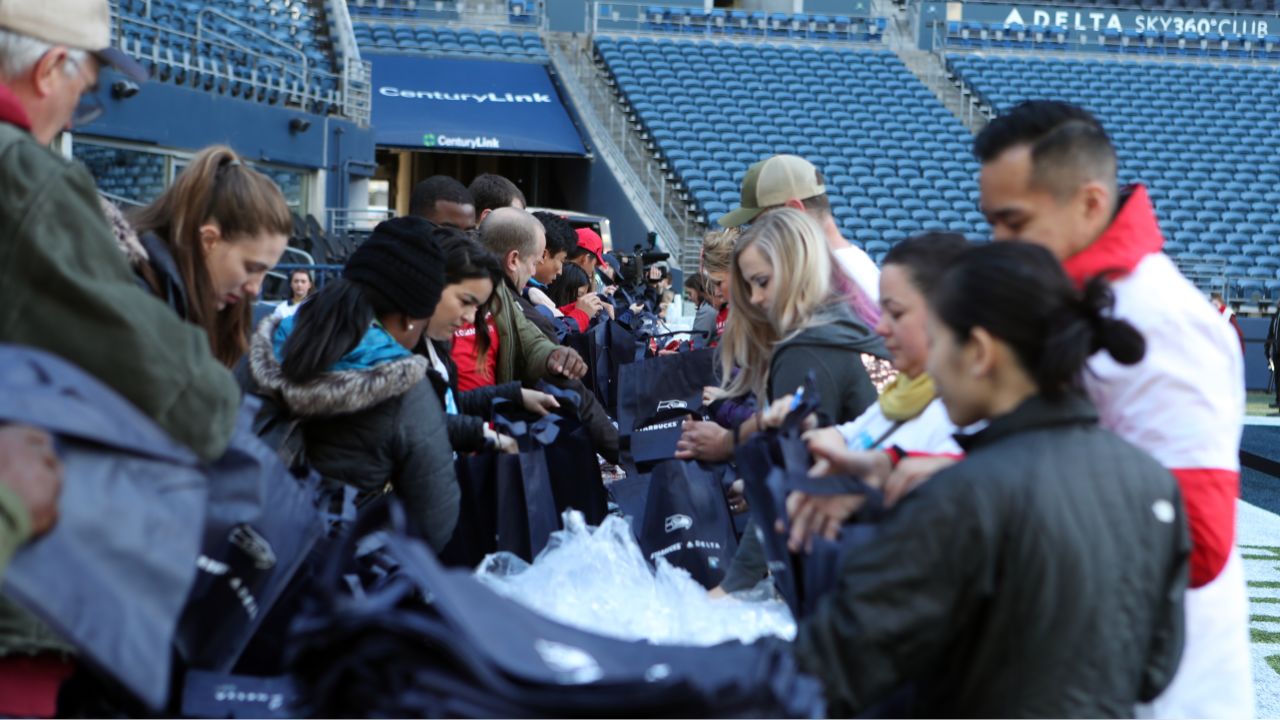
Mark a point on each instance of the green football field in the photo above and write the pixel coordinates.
(1258, 533)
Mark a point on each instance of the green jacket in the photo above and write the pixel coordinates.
(65, 287)
(522, 348)
(15, 525)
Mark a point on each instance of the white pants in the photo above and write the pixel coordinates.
(1215, 676)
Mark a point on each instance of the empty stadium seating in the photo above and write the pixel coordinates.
(449, 40)
(136, 177)
(1205, 138)
(272, 51)
(897, 162)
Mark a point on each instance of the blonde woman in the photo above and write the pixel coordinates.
(786, 320)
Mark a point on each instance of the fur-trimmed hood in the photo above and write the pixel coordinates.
(332, 393)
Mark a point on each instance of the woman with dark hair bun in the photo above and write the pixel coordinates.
(1044, 574)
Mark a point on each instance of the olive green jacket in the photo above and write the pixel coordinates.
(522, 348)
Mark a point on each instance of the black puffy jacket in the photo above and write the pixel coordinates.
(1042, 576)
(375, 429)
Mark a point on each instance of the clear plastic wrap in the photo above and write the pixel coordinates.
(597, 579)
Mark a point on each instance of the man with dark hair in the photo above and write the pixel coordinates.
(494, 191)
(443, 201)
(1049, 177)
(560, 237)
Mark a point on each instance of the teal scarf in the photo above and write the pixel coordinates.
(377, 347)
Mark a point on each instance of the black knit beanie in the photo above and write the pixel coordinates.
(400, 264)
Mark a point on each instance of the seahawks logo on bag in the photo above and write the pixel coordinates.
(251, 543)
(673, 404)
(678, 522)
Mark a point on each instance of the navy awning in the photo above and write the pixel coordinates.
(443, 104)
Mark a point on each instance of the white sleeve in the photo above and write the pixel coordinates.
(860, 268)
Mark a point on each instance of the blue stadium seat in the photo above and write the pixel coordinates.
(1190, 148)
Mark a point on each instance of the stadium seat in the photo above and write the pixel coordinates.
(1213, 197)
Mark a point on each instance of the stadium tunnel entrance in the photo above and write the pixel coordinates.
(463, 118)
(546, 181)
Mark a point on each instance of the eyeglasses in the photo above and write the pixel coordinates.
(90, 107)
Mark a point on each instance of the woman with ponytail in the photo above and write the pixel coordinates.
(210, 240)
(344, 366)
(1043, 574)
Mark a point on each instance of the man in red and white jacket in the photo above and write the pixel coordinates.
(1049, 177)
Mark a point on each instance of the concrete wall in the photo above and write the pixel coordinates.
(180, 118)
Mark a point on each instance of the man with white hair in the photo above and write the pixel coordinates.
(66, 288)
(64, 284)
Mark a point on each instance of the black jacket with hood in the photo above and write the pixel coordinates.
(1042, 576)
(832, 349)
(375, 429)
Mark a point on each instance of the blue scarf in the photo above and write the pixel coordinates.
(377, 347)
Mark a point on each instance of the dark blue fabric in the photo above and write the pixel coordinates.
(576, 481)
(508, 502)
(262, 522)
(654, 439)
(687, 520)
(443, 104)
(774, 464)
(381, 650)
(659, 383)
(112, 575)
(606, 347)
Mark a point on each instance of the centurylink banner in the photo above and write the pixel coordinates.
(444, 104)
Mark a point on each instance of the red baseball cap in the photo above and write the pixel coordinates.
(590, 241)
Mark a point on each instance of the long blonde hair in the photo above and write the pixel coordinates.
(802, 281)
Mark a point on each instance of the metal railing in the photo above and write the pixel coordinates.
(348, 220)
(187, 58)
(121, 200)
(972, 111)
(530, 16)
(636, 158)
(605, 16)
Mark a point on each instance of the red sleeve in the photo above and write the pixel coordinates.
(1210, 499)
(572, 311)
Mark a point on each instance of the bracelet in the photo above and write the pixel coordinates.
(896, 454)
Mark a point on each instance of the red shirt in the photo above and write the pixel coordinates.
(572, 311)
(464, 353)
(721, 317)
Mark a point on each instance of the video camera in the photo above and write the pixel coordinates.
(634, 266)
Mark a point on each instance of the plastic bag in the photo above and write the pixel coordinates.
(597, 579)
